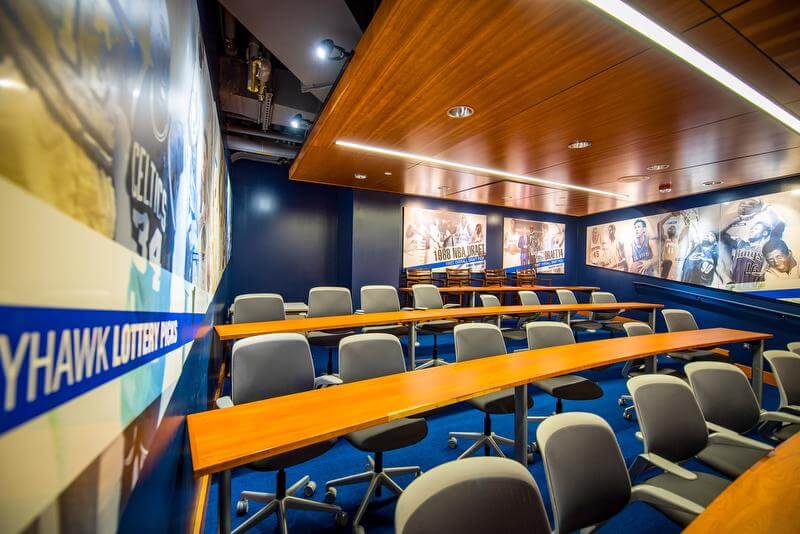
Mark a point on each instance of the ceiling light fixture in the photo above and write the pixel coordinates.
(658, 167)
(328, 50)
(388, 173)
(638, 22)
(476, 169)
(633, 179)
(709, 183)
(579, 144)
(460, 112)
(359, 176)
(297, 122)
(665, 187)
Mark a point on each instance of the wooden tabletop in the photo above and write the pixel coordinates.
(765, 498)
(242, 330)
(227, 438)
(504, 289)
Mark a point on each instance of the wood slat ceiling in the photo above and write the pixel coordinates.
(541, 74)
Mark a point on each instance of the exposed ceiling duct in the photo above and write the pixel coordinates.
(258, 146)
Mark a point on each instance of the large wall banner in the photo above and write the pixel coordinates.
(437, 239)
(536, 244)
(745, 245)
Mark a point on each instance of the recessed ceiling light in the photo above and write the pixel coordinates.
(460, 112)
(442, 187)
(476, 169)
(508, 198)
(643, 25)
(359, 176)
(632, 179)
(387, 173)
(709, 183)
(658, 167)
(579, 144)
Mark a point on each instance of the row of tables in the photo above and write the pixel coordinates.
(221, 440)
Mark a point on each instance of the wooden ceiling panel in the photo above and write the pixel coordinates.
(541, 74)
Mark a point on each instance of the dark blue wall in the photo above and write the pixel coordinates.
(701, 303)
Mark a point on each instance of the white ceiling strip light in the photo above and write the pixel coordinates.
(476, 169)
(638, 22)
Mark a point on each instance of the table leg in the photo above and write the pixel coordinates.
(521, 424)
(499, 321)
(224, 501)
(568, 316)
(472, 299)
(651, 363)
(758, 368)
(412, 344)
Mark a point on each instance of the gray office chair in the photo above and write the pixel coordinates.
(606, 318)
(256, 307)
(586, 474)
(327, 302)
(529, 298)
(786, 368)
(543, 334)
(269, 366)
(514, 334)
(427, 297)
(637, 367)
(577, 321)
(793, 346)
(681, 321)
(673, 431)
(382, 299)
(361, 357)
(473, 496)
(479, 340)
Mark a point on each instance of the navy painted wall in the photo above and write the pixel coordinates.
(708, 312)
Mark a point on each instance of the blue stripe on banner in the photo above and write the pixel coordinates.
(539, 265)
(52, 355)
(472, 260)
(776, 293)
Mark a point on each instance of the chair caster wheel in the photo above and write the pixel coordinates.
(342, 518)
(531, 458)
(621, 402)
(533, 448)
(310, 489)
(452, 443)
(627, 416)
(241, 507)
(330, 495)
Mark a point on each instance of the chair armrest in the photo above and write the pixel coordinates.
(224, 402)
(782, 417)
(668, 466)
(725, 436)
(661, 497)
(406, 308)
(303, 314)
(420, 308)
(452, 305)
(359, 312)
(327, 380)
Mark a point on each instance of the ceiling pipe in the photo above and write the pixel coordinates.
(263, 148)
(228, 32)
(261, 133)
(236, 156)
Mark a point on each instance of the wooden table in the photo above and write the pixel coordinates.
(474, 290)
(228, 332)
(223, 439)
(765, 498)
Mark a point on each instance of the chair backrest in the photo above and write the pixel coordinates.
(529, 298)
(543, 334)
(270, 366)
(671, 421)
(678, 320)
(565, 296)
(376, 299)
(427, 296)
(419, 276)
(585, 470)
(786, 368)
(328, 301)
(526, 277)
(494, 277)
(724, 395)
(456, 277)
(637, 329)
(255, 307)
(477, 340)
(487, 301)
(472, 496)
(794, 346)
(364, 356)
(603, 297)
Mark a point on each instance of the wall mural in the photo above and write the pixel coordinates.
(536, 244)
(438, 239)
(114, 222)
(745, 245)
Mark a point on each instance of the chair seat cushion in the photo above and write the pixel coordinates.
(585, 324)
(570, 387)
(294, 457)
(438, 327)
(730, 460)
(328, 339)
(389, 436)
(393, 329)
(786, 432)
(499, 402)
(702, 491)
(694, 355)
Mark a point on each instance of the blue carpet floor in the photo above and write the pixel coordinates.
(344, 460)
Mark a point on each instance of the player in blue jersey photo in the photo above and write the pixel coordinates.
(643, 249)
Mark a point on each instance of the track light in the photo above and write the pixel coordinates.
(298, 122)
(328, 50)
